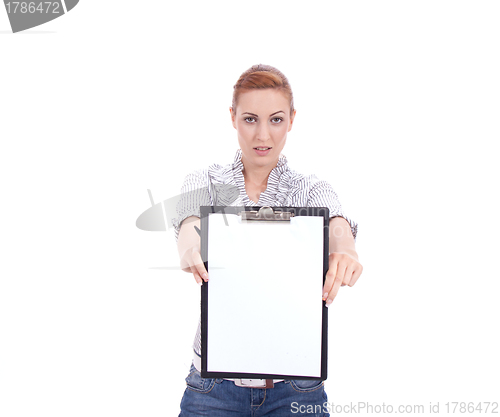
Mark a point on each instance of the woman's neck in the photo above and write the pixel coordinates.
(257, 176)
(257, 179)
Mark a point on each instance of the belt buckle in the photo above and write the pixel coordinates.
(251, 383)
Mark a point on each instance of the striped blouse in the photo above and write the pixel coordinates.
(220, 185)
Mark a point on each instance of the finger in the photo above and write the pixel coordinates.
(330, 278)
(348, 275)
(199, 265)
(355, 275)
(196, 275)
(336, 284)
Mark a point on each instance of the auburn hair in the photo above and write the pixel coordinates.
(261, 77)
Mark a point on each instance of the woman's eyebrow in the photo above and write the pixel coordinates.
(251, 114)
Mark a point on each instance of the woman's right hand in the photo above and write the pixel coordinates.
(188, 244)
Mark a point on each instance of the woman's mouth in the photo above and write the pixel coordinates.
(262, 151)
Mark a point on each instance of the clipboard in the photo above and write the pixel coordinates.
(262, 313)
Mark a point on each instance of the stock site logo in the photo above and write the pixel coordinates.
(28, 14)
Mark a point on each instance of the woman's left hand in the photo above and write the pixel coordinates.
(343, 269)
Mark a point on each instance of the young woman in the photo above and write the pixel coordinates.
(262, 113)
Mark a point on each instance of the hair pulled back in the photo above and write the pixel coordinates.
(261, 77)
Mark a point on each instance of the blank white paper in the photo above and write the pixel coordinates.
(265, 295)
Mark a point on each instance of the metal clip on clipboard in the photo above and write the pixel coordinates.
(266, 213)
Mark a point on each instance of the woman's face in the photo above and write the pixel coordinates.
(262, 120)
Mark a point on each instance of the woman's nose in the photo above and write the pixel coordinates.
(263, 132)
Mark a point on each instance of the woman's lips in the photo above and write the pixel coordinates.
(260, 150)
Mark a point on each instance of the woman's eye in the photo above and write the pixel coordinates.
(249, 119)
(277, 120)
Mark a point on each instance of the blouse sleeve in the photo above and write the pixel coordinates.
(195, 192)
(322, 194)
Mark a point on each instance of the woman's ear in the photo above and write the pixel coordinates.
(292, 118)
(232, 117)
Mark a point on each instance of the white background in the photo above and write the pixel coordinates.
(397, 107)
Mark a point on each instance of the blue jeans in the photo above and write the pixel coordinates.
(216, 397)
